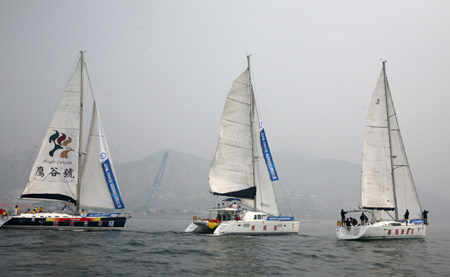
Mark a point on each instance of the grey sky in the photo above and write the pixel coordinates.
(161, 70)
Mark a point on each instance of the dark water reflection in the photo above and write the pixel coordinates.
(159, 247)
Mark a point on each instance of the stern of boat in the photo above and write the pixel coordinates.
(3, 220)
(350, 233)
(202, 227)
(191, 228)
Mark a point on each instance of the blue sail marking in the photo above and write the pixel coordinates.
(266, 153)
(111, 181)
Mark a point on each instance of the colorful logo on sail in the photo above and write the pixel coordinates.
(61, 142)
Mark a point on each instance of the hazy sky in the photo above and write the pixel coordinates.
(161, 70)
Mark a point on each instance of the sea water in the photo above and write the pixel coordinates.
(159, 247)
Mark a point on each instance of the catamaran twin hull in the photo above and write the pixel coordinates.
(202, 227)
(30, 221)
(382, 231)
(254, 228)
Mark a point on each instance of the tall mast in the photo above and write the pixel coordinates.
(252, 124)
(81, 134)
(390, 142)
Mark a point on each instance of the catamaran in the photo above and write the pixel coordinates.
(62, 172)
(387, 187)
(243, 169)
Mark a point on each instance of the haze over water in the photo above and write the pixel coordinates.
(159, 247)
(160, 71)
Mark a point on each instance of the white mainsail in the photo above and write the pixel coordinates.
(231, 169)
(387, 182)
(55, 174)
(55, 171)
(238, 168)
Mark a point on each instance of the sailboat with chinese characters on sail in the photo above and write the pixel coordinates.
(243, 170)
(387, 187)
(62, 172)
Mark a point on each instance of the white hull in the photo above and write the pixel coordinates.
(382, 230)
(252, 223)
(257, 228)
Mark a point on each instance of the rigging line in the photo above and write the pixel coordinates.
(394, 114)
(89, 79)
(285, 197)
(255, 95)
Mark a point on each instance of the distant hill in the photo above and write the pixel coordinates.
(14, 171)
(185, 182)
(185, 175)
(329, 179)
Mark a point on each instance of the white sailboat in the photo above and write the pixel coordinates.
(387, 186)
(62, 172)
(243, 168)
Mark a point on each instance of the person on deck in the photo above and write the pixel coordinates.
(348, 223)
(16, 210)
(83, 213)
(40, 209)
(406, 216)
(342, 217)
(425, 217)
(362, 218)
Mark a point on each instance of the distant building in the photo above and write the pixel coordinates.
(303, 206)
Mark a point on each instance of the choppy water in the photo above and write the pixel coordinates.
(159, 247)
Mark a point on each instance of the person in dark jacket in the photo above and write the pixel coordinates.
(342, 217)
(406, 216)
(348, 223)
(362, 218)
(425, 217)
